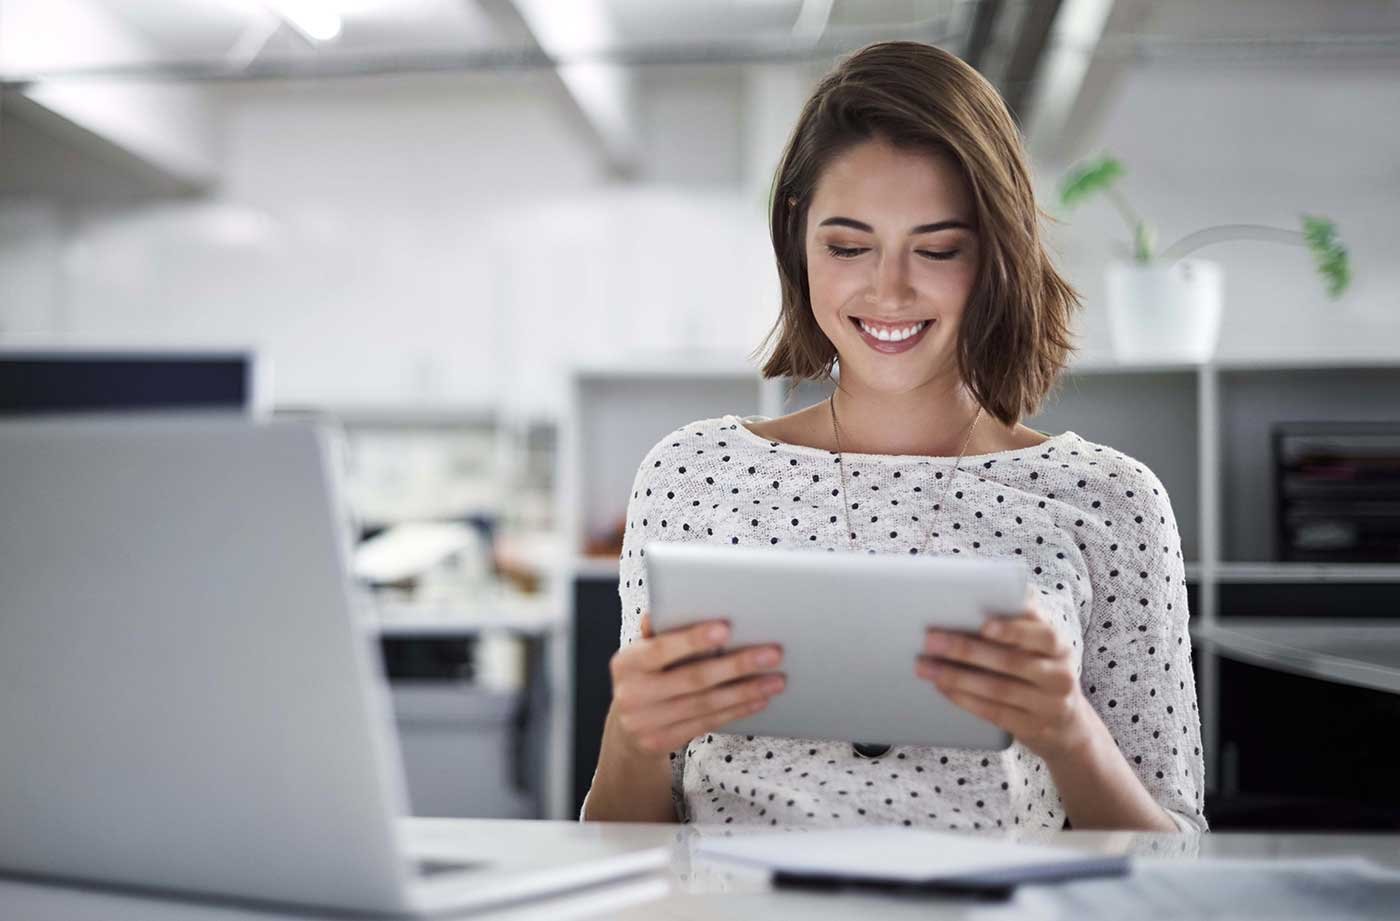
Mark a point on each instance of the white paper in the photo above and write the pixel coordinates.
(1338, 889)
(889, 853)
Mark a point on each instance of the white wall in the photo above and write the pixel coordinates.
(443, 239)
(30, 267)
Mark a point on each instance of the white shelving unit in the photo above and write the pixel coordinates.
(614, 416)
(1308, 572)
(533, 618)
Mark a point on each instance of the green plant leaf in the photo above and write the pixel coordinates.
(1084, 181)
(1333, 264)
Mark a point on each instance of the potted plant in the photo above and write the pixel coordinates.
(1164, 307)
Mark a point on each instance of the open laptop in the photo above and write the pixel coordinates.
(187, 701)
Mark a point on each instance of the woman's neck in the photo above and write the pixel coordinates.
(931, 420)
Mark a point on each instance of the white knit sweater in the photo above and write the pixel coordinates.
(1093, 526)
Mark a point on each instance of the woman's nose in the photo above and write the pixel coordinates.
(889, 289)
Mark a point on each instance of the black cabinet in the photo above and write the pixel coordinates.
(1297, 752)
(597, 630)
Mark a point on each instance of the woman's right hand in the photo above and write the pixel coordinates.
(658, 706)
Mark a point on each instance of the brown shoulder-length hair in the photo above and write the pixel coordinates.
(1015, 335)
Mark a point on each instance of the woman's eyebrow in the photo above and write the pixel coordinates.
(941, 225)
(922, 228)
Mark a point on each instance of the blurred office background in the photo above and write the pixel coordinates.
(503, 246)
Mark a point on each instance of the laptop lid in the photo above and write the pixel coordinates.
(185, 700)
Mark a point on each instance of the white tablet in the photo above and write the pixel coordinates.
(851, 626)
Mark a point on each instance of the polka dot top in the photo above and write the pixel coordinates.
(1095, 530)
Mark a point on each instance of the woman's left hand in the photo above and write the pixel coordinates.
(1017, 673)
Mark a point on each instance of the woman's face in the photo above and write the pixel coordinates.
(891, 246)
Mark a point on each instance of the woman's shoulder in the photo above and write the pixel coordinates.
(693, 440)
(1118, 478)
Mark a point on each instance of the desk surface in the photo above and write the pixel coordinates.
(699, 890)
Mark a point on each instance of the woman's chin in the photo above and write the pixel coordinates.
(899, 376)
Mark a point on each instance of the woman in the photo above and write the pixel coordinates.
(907, 240)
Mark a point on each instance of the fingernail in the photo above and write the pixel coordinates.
(936, 642)
(767, 657)
(717, 633)
(773, 685)
(993, 628)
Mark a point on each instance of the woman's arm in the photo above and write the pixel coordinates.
(1137, 671)
(1122, 739)
(1098, 786)
(661, 697)
(629, 786)
(1020, 675)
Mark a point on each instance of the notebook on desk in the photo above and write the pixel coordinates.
(907, 859)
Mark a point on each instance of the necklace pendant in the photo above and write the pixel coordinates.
(869, 749)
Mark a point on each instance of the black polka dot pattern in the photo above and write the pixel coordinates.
(1094, 528)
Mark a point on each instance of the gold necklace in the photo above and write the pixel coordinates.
(845, 498)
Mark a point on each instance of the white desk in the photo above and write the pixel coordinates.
(699, 891)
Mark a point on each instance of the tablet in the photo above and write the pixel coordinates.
(851, 626)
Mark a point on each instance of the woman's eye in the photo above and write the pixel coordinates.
(850, 252)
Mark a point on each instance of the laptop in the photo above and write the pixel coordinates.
(188, 702)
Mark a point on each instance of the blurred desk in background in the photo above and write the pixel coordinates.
(480, 704)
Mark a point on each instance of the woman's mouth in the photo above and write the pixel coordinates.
(892, 338)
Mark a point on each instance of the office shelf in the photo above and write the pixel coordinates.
(1104, 365)
(414, 619)
(615, 415)
(684, 366)
(1308, 572)
(401, 416)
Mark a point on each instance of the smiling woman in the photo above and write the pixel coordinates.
(906, 235)
(904, 197)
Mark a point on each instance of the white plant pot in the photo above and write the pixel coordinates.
(1166, 313)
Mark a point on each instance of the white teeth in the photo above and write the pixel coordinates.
(898, 335)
